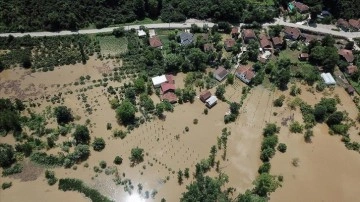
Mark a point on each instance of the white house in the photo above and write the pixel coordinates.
(158, 80)
(211, 101)
(141, 33)
(245, 73)
(328, 79)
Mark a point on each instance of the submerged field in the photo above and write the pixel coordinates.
(327, 171)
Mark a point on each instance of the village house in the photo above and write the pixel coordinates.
(155, 42)
(300, 7)
(265, 44)
(247, 35)
(186, 38)
(205, 95)
(167, 87)
(306, 38)
(211, 101)
(220, 73)
(208, 47)
(245, 73)
(229, 43)
(277, 42)
(351, 69)
(235, 32)
(292, 33)
(170, 97)
(303, 56)
(324, 14)
(141, 33)
(343, 24)
(354, 25)
(346, 55)
(158, 80)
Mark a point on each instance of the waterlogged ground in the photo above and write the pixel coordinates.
(327, 171)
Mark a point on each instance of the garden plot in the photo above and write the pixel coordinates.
(110, 45)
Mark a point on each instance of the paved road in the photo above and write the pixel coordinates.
(109, 29)
(278, 21)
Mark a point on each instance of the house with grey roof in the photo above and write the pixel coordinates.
(186, 38)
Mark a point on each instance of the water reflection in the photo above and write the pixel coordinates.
(134, 198)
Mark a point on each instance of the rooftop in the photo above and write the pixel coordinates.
(248, 33)
(347, 54)
(221, 72)
(294, 32)
(155, 42)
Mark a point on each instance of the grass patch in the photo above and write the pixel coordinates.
(291, 54)
(110, 45)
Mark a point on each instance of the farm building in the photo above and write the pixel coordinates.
(211, 101)
(220, 73)
(158, 80)
(205, 95)
(328, 78)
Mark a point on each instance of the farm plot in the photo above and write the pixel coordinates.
(110, 45)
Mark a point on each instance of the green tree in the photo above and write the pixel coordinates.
(126, 112)
(180, 177)
(63, 115)
(282, 147)
(320, 112)
(197, 59)
(271, 129)
(187, 173)
(160, 109)
(335, 118)
(6, 155)
(137, 155)
(118, 160)
(265, 184)
(328, 40)
(119, 32)
(249, 196)
(139, 85)
(98, 144)
(230, 79)
(81, 152)
(253, 50)
(82, 135)
(220, 91)
(264, 168)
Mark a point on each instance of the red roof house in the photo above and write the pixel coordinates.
(170, 96)
(155, 42)
(351, 69)
(167, 87)
(292, 33)
(229, 43)
(265, 43)
(245, 73)
(205, 95)
(235, 32)
(302, 8)
(170, 79)
(354, 24)
(343, 24)
(248, 34)
(277, 42)
(346, 55)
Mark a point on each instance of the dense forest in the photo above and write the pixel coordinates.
(30, 15)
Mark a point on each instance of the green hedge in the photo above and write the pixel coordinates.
(69, 184)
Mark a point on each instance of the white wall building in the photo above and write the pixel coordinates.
(158, 80)
(328, 79)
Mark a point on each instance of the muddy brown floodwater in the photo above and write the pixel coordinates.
(327, 171)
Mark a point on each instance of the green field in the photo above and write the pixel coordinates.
(110, 45)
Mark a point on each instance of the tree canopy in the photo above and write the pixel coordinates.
(126, 112)
(82, 135)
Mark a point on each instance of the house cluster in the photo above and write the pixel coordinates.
(207, 98)
(167, 87)
(350, 25)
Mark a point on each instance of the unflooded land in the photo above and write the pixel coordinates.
(325, 170)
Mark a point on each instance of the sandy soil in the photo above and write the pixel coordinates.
(169, 148)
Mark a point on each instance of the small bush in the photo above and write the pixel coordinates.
(187, 129)
(296, 127)
(98, 144)
(102, 164)
(118, 160)
(108, 126)
(264, 168)
(119, 133)
(6, 185)
(206, 111)
(195, 121)
(282, 147)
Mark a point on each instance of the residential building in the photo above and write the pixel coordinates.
(354, 24)
(300, 7)
(170, 96)
(350, 90)
(220, 73)
(155, 42)
(343, 24)
(245, 73)
(346, 55)
(229, 43)
(167, 87)
(265, 43)
(205, 95)
(277, 42)
(186, 38)
(351, 69)
(235, 32)
(306, 38)
(211, 101)
(141, 33)
(158, 80)
(208, 47)
(247, 35)
(292, 33)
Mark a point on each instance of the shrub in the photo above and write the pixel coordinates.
(17, 168)
(119, 133)
(108, 126)
(296, 127)
(69, 184)
(6, 185)
(98, 144)
(137, 155)
(282, 147)
(118, 160)
(264, 168)
(195, 121)
(206, 111)
(187, 129)
(102, 164)
(279, 101)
